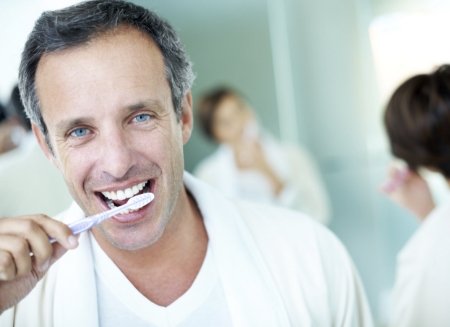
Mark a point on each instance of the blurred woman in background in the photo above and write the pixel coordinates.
(252, 165)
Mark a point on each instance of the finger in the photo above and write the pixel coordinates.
(7, 266)
(57, 230)
(53, 229)
(19, 250)
(35, 237)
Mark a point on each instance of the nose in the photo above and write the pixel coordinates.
(116, 154)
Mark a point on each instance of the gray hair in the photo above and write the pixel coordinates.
(79, 24)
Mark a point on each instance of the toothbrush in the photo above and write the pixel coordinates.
(134, 203)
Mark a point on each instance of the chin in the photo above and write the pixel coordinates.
(132, 240)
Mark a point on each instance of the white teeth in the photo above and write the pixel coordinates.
(124, 194)
(121, 195)
(111, 205)
(129, 193)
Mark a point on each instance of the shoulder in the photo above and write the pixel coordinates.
(308, 264)
(421, 262)
(263, 218)
(298, 154)
(211, 162)
(277, 229)
(431, 239)
(278, 219)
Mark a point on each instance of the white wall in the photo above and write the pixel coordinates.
(16, 21)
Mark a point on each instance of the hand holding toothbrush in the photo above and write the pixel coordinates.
(20, 272)
(27, 252)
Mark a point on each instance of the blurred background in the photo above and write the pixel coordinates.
(318, 73)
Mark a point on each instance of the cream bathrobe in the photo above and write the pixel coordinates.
(277, 268)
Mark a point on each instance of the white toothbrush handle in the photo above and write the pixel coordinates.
(79, 226)
(84, 224)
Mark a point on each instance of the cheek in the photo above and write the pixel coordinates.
(171, 138)
(74, 164)
(170, 150)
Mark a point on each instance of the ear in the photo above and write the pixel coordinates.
(40, 137)
(187, 118)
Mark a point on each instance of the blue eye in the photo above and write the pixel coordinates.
(142, 118)
(79, 132)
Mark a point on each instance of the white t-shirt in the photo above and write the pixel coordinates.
(121, 304)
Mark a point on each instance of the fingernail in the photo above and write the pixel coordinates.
(72, 240)
(3, 276)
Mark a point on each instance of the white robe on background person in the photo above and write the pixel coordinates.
(304, 189)
(422, 287)
(277, 267)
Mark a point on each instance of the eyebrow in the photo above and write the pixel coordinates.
(151, 104)
(68, 124)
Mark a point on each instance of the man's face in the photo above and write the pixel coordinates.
(113, 130)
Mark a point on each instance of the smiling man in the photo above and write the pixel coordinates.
(106, 85)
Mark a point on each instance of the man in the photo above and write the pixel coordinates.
(107, 87)
(417, 121)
